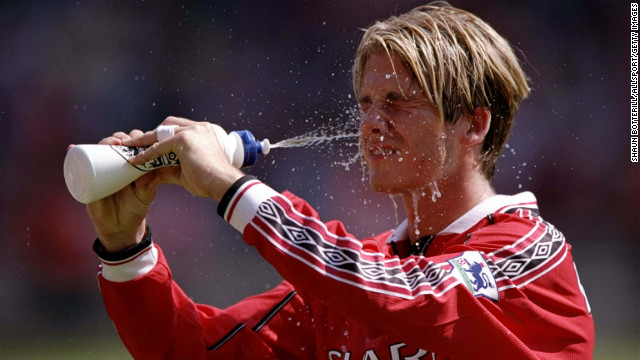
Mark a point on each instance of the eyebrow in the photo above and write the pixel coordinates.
(390, 96)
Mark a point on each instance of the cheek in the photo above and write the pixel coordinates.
(428, 152)
(423, 140)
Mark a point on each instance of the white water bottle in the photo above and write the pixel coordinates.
(94, 171)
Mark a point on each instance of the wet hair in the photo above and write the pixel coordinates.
(460, 64)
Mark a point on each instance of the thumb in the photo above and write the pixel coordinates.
(145, 188)
(167, 175)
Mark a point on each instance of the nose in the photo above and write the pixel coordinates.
(374, 120)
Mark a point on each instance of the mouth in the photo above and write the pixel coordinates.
(381, 151)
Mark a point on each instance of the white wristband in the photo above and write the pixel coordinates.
(164, 132)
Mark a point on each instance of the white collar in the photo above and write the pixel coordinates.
(496, 203)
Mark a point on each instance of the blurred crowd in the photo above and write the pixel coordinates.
(75, 72)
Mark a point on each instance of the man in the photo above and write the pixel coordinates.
(470, 274)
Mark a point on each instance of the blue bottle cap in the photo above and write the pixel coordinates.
(252, 147)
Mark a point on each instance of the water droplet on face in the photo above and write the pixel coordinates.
(395, 206)
(416, 218)
(435, 192)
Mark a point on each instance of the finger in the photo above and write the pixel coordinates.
(164, 132)
(135, 133)
(153, 152)
(115, 139)
(174, 120)
(141, 139)
(111, 140)
(160, 133)
(167, 175)
(145, 188)
(120, 135)
(150, 137)
(146, 185)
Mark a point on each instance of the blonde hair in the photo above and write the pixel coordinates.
(460, 63)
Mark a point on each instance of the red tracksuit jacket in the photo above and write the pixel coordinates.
(498, 283)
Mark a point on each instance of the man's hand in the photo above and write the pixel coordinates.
(204, 169)
(119, 219)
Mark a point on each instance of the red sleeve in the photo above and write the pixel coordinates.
(424, 300)
(157, 320)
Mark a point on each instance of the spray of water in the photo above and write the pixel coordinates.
(363, 166)
(311, 140)
(343, 129)
(350, 161)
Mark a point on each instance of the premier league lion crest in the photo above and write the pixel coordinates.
(472, 270)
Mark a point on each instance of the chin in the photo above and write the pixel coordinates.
(379, 183)
(387, 184)
(381, 188)
(390, 182)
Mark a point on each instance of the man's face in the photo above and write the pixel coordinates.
(402, 137)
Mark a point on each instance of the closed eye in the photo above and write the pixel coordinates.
(393, 97)
(364, 102)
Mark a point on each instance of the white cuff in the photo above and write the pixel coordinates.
(245, 202)
(131, 268)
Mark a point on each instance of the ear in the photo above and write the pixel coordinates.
(477, 127)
